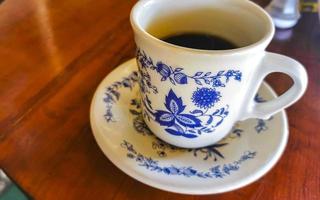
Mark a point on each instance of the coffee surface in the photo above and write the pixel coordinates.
(199, 41)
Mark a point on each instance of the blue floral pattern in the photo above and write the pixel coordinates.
(112, 95)
(175, 118)
(260, 127)
(214, 151)
(205, 97)
(177, 76)
(179, 123)
(174, 114)
(162, 148)
(262, 124)
(217, 171)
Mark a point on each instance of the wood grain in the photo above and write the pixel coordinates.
(53, 54)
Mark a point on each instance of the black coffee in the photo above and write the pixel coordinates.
(200, 41)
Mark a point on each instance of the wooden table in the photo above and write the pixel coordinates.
(53, 54)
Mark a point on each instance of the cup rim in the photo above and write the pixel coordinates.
(248, 48)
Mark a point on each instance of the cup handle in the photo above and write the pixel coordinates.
(272, 62)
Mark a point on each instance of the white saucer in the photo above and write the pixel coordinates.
(251, 149)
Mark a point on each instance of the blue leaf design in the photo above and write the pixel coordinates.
(196, 112)
(173, 132)
(164, 118)
(220, 73)
(178, 69)
(172, 81)
(219, 122)
(198, 73)
(216, 112)
(192, 131)
(188, 120)
(210, 119)
(198, 82)
(174, 108)
(179, 128)
(189, 135)
(171, 99)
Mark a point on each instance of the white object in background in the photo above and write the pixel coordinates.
(4, 182)
(319, 8)
(285, 13)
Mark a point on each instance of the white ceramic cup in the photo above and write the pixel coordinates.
(192, 98)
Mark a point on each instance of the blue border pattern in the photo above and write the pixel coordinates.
(218, 171)
(112, 95)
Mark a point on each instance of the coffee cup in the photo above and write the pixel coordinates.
(192, 97)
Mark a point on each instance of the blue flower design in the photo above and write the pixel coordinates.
(205, 97)
(163, 70)
(188, 125)
(216, 82)
(238, 77)
(180, 78)
(171, 170)
(179, 123)
(174, 114)
(229, 73)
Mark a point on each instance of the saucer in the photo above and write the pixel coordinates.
(250, 150)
